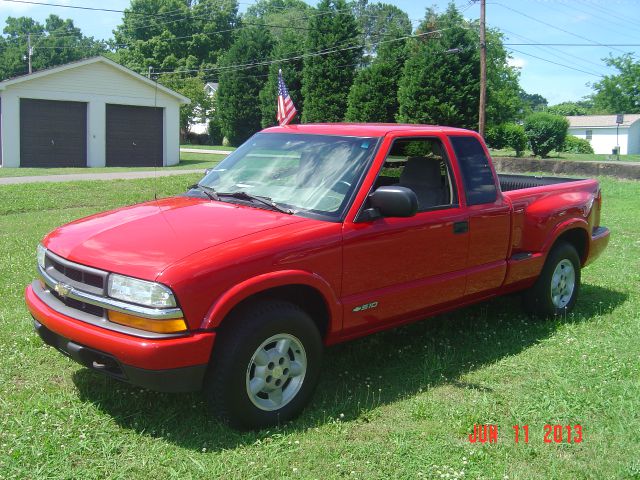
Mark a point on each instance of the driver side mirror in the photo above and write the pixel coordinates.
(391, 201)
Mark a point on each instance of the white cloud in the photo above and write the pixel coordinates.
(516, 62)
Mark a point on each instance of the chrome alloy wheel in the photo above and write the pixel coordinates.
(563, 283)
(276, 372)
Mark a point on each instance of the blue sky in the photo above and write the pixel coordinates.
(523, 21)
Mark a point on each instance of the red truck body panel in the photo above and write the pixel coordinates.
(214, 255)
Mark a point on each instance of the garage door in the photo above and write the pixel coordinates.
(53, 133)
(134, 136)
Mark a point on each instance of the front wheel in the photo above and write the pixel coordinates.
(265, 366)
(556, 290)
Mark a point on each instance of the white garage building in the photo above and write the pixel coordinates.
(602, 132)
(90, 113)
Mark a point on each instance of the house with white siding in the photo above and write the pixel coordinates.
(89, 113)
(604, 133)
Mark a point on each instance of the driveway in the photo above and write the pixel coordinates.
(204, 150)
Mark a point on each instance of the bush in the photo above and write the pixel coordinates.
(494, 136)
(196, 138)
(545, 132)
(507, 135)
(215, 132)
(576, 145)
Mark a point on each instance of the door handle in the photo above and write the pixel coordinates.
(461, 227)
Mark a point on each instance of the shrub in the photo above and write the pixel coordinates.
(576, 145)
(494, 136)
(515, 137)
(507, 135)
(545, 132)
(196, 138)
(215, 132)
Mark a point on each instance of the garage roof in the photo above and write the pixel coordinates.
(88, 61)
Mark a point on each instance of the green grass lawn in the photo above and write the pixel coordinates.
(209, 147)
(187, 161)
(590, 157)
(398, 404)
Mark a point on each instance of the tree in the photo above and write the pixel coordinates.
(327, 78)
(545, 132)
(192, 88)
(440, 80)
(374, 94)
(582, 107)
(532, 102)
(238, 104)
(619, 93)
(175, 34)
(55, 43)
(287, 47)
(287, 22)
(380, 22)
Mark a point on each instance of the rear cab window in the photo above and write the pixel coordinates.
(477, 176)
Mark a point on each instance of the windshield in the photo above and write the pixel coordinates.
(310, 174)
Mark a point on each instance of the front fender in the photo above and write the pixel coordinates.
(281, 278)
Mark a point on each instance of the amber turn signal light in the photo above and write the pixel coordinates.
(172, 325)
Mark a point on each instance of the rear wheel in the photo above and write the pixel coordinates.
(556, 290)
(265, 366)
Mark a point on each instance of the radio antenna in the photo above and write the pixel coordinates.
(154, 77)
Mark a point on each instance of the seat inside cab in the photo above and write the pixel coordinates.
(422, 166)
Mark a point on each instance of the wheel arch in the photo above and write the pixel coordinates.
(574, 233)
(308, 291)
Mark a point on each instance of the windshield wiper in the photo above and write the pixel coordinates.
(242, 195)
(208, 191)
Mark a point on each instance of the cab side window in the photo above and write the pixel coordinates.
(421, 165)
(479, 184)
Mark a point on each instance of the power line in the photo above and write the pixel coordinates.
(558, 54)
(557, 63)
(558, 7)
(577, 44)
(602, 11)
(78, 7)
(324, 52)
(551, 25)
(243, 25)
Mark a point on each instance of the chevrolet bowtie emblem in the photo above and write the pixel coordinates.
(62, 289)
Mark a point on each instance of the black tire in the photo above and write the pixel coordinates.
(538, 300)
(226, 384)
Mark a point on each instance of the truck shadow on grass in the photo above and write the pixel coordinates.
(357, 376)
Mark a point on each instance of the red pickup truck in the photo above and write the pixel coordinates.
(305, 236)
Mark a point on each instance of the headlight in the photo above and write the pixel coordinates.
(140, 291)
(40, 252)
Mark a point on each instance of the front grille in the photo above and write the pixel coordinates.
(80, 276)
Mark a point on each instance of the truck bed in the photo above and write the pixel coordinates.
(509, 182)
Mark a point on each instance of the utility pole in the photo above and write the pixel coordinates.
(483, 69)
(29, 51)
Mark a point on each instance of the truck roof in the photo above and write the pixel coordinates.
(361, 129)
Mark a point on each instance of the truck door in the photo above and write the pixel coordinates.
(489, 216)
(395, 267)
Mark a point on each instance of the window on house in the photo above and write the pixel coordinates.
(589, 134)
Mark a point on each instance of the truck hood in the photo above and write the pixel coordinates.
(142, 240)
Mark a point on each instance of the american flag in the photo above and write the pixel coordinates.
(286, 109)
